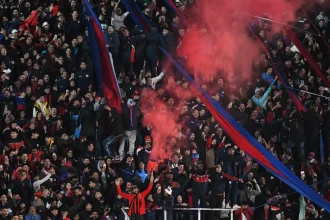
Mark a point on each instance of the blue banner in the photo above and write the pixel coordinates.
(249, 144)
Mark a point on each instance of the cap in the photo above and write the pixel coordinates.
(130, 102)
(45, 24)
(312, 154)
(257, 90)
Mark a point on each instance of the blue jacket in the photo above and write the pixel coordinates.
(154, 40)
(126, 172)
(260, 101)
(267, 78)
(113, 42)
(30, 217)
(129, 116)
(142, 174)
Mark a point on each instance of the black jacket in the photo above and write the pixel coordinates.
(170, 42)
(113, 42)
(87, 120)
(83, 79)
(312, 124)
(153, 41)
(101, 116)
(297, 128)
(114, 124)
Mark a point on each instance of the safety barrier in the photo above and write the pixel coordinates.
(198, 211)
(202, 209)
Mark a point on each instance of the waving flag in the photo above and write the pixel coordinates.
(249, 144)
(300, 106)
(295, 40)
(171, 4)
(318, 31)
(140, 20)
(106, 78)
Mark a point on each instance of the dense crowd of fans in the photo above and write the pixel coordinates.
(67, 155)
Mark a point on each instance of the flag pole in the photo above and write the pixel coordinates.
(309, 92)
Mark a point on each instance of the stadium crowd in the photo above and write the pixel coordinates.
(66, 154)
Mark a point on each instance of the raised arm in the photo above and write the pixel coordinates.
(264, 97)
(120, 192)
(116, 6)
(158, 78)
(148, 190)
(229, 177)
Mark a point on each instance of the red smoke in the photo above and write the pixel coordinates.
(218, 39)
(162, 122)
(215, 45)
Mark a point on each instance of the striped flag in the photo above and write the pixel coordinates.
(171, 4)
(299, 105)
(140, 20)
(295, 40)
(105, 74)
(249, 144)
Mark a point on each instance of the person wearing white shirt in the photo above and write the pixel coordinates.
(146, 79)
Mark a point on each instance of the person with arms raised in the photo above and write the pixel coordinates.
(136, 200)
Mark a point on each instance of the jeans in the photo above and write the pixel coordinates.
(202, 199)
(98, 142)
(108, 144)
(151, 64)
(300, 150)
(216, 202)
(231, 193)
(131, 136)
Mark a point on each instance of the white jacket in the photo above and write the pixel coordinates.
(155, 80)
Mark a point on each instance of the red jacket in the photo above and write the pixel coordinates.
(247, 212)
(136, 202)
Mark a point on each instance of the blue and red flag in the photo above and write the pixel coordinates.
(299, 105)
(295, 40)
(246, 141)
(140, 20)
(322, 159)
(106, 77)
(318, 31)
(321, 148)
(171, 4)
(249, 144)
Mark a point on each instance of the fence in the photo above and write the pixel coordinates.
(199, 211)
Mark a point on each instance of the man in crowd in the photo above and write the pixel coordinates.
(59, 135)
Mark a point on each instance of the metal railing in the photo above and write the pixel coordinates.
(202, 209)
(198, 211)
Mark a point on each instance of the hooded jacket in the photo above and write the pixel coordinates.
(249, 195)
(260, 101)
(136, 202)
(129, 116)
(87, 120)
(200, 182)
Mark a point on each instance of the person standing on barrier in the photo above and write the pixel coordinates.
(129, 117)
(218, 186)
(229, 163)
(136, 200)
(200, 182)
